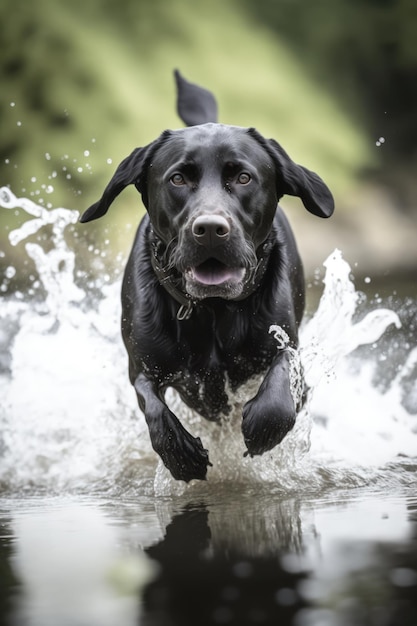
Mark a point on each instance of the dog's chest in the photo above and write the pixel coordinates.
(211, 371)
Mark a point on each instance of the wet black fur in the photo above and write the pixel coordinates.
(200, 344)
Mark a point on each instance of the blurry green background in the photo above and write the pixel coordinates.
(334, 81)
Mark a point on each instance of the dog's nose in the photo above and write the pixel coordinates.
(210, 230)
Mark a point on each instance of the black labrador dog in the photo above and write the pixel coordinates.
(213, 266)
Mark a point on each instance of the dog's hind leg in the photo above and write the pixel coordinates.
(180, 452)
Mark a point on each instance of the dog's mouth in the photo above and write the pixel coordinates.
(214, 272)
(214, 279)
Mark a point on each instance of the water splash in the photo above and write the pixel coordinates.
(69, 420)
(357, 425)
(56, 267)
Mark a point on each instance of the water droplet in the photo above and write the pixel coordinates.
(367, 280)
(86, 153)
(286, 596)
(109, 161)
(403, 577)
(242, 569)
(10, 271)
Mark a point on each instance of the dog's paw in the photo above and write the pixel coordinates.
(180, 452)
(266, 421)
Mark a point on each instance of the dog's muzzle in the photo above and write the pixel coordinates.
(215, 275)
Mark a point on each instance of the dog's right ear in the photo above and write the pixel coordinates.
(195, 105)
(131, 171)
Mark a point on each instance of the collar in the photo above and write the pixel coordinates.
(170, 281)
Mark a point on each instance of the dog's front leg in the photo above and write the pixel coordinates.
(269, 416)
(180, 452)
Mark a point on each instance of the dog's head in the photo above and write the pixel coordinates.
(211, 192)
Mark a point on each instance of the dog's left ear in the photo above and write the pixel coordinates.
(131, 171)
(303, 183)
(296, 180)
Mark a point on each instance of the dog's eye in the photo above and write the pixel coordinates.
(177, 179)
(244, 178)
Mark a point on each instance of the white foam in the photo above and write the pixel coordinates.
(69, 419)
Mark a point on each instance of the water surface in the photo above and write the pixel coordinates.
(94, 531)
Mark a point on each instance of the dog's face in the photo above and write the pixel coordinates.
(211, 199)
(211, 192)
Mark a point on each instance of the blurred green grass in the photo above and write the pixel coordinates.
(83, 83)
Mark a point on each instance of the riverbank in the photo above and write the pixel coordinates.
(376, 237)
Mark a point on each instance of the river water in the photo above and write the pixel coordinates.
(95, 532)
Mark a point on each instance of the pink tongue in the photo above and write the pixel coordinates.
(216, 274)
